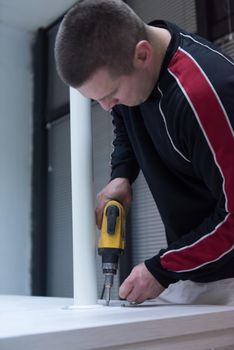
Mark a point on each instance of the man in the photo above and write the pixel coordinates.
(171, 94)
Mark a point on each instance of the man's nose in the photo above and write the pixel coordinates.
(109, 104)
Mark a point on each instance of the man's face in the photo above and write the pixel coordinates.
(129, 90)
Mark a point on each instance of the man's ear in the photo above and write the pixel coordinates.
(143, 54)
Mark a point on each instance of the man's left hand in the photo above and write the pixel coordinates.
(140, 285)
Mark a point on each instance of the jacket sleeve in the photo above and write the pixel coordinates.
(208, 126)
(123, 161)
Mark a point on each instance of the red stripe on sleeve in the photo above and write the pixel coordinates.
(217, 130)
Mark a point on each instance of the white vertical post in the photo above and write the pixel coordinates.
(84, 271)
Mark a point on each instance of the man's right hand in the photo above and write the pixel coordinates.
(118, 189)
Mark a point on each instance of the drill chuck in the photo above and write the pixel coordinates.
(109, 268)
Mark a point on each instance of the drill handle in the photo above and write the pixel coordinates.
(112, 230)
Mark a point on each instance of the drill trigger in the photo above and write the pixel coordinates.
(112, 213)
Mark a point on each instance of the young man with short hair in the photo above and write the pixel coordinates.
(171, 94)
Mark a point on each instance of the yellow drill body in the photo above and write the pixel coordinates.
(111, 242)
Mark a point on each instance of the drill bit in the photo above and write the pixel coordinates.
(109, 278)
(108, 296)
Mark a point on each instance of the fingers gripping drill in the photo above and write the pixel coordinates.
(111, 243)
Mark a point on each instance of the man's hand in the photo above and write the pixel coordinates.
(118, 189)
(140, 285)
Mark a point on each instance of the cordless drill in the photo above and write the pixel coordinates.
(111, 243)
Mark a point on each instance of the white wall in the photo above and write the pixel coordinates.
(15, 159)
(19, 21)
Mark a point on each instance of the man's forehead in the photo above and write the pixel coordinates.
(99, 86)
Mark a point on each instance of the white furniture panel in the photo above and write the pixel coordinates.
(28, 323)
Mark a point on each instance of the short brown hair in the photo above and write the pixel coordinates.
(95, 34)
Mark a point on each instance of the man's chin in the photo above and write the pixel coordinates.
(134, 104)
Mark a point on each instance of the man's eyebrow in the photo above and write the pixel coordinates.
(110, 94)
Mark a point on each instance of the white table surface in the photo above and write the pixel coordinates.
(38, 323)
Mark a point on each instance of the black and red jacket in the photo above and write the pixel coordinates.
(182, 138)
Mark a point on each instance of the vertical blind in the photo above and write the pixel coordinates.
(181, 12)
(226, 43)
(102, 148)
